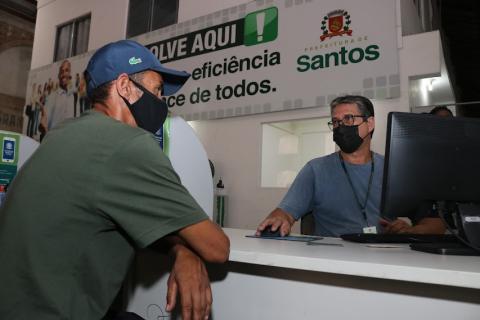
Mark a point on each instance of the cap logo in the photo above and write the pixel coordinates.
(134, 60)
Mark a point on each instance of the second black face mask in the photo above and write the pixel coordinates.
(149, 111)
(347, 138)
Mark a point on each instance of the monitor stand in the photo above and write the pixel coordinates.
(467, 220)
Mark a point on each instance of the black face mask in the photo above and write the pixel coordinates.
(347, 138)
(149, 111)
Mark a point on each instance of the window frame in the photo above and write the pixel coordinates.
(72, 37)
(150, 18)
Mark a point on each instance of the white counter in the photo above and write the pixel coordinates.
(276, 279)
(357, 259)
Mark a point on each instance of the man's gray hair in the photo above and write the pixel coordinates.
(364, 104)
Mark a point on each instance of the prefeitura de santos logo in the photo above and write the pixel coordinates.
(336, 23)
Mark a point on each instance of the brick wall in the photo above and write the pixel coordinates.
(11, 113)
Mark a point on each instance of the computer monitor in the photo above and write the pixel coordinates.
(432, 159)
(429, 158)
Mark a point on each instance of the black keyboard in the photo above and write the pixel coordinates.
(399, 238)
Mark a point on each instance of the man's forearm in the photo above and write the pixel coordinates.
(429, 226)
(169, 244)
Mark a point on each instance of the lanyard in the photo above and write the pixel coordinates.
(364, 206)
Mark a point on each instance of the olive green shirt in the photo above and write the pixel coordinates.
(95, 190)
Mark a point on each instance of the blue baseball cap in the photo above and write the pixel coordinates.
(127, 56)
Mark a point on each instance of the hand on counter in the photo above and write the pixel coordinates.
(395, 226)
(189, 280)
(429, 225)
(277, 220)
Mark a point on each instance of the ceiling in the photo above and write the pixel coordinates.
(459, 24)
(25, 9)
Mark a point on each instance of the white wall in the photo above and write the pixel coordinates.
(422, 99)
(108, 23)
(272, 161)
(190, 9)
(411, 23)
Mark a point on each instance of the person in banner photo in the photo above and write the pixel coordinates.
(39, 114)
(75, 94)
(343, 190)
(82, 95)
(60, 104)
(29, 111)
(97, 189)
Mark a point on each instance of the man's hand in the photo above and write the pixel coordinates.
(424, 226)
(189, 279)
(396, 226)
(277, 219)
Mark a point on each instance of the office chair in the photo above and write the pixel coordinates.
(307, 224)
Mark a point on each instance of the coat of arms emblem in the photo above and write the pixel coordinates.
(336, 23)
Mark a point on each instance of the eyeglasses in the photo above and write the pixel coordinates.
(348, 120)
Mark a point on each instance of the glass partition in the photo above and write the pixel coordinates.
(287, 146)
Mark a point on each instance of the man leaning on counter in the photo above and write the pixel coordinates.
(98, 188)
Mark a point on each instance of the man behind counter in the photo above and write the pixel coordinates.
(343, 189)
(98, 188)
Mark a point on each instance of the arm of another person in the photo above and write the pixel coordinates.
(429, 225)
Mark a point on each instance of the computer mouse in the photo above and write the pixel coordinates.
(268, 233)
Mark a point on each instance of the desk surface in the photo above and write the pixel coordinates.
(357, 259)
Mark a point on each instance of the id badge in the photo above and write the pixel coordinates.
(370, 229)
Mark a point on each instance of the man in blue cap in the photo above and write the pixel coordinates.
(98, 188)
